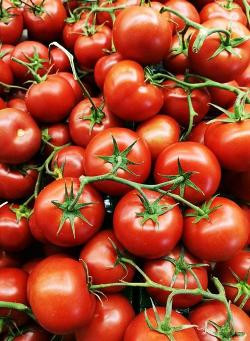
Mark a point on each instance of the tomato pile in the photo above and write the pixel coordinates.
(124, 170)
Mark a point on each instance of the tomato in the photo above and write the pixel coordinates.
(229, 142)
(16, 184)
(225, 66)
(15, 234)
(56, 134)
(33, 333)
(198, 132)
(236, 271)
(111, 318)
(11, 24)
(129, 157)
(103, 66)
(223, 98)
(244, 78)
(176, 102)
(163, 271)
(35, 230)
(64, 226)
(69, 162)
(193, 157)
(73, 83)
(6, 75)
(88, 49)
(17, 103)
(219, 236)
(128, 96)
(13, 288)
(44, 100)
(47, 21)
(140, 232)
(59, 60)
(159, 132)
(8, 260)
(59, 296)
(30, 51)
(19, 134)
(219, 9)
(101, 258)
(85, 122)
(237, 184)
(216, 312)
(5, 52)
(142, 34)
(139, 330)
(246, 210)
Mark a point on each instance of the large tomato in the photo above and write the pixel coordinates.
(120, 150)
(219, 235)
(147, 232)
(59, 296)
(111, 318)
(65, 225)
(11, 23)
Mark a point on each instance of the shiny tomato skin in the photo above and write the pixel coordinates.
(102, 145)
(19, 134)
(147, 240)
(68, 76)
(100, 257)
(59, 60)
(216, 311)
(225, 66)
(6, 75)
(162, 271)
(198, 132)
(219, 238)
(60, 283)
(221, 97)
(35, 229)
(70, 162)
(58, 135)
(142, 34)
(110, 320)
(159, 132)
(239, 264)
(94, 213)
(13, 288)
(80, 128)
(128, 96)
(138, 329)
(15, 184)
(17, 103)
(11, 31)
(44, 100)
(193, 157)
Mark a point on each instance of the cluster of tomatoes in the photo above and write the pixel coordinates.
(124, 170)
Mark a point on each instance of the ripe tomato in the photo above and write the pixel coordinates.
(13, 288)
(225, 66)
(59, 296)
(5, 52)
(65, 226)
(159, 132)
(33, 333)
(17, 103)
(163, 271)
(244, 78)
(246, 210)
(216, 312)
(101, 259)
(221, 97)
(20, 136)
(198, 132)
(59, 60)
(219, 236)
(11, 24)
(129, 157)
(142, 34)
(56, 134)
(35, 230)
(16, 184)
(143, 233)
(193, 157)
(128, 96)
(139, 330)
(73, 83)
(111, 318)
(85, 122)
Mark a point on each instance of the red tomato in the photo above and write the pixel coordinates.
(159, 132)
(100, 257)
(85, 122)
(146, 234)
(13, 288)
(219, 236)
(64, 226)
(128, 96)
(88, 49)
(69, 162)
(225, 66)
(246, 210)
(73, 83)
(8, 260)
(237, 184)
(198, 132)
(221, 97)
(5, 52)
(235, 271)
(244, 78)
(59, 296)
(59, 60)
(11, 24)
(57, 134)
(33, 333)
(6, 75)
(163, 271)
(20, 136)
(111, 318)
(216, 312)
(35, 230)
(193, 157)
(138, 329)
(17, 103)
(129, 156)
(142, 34)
